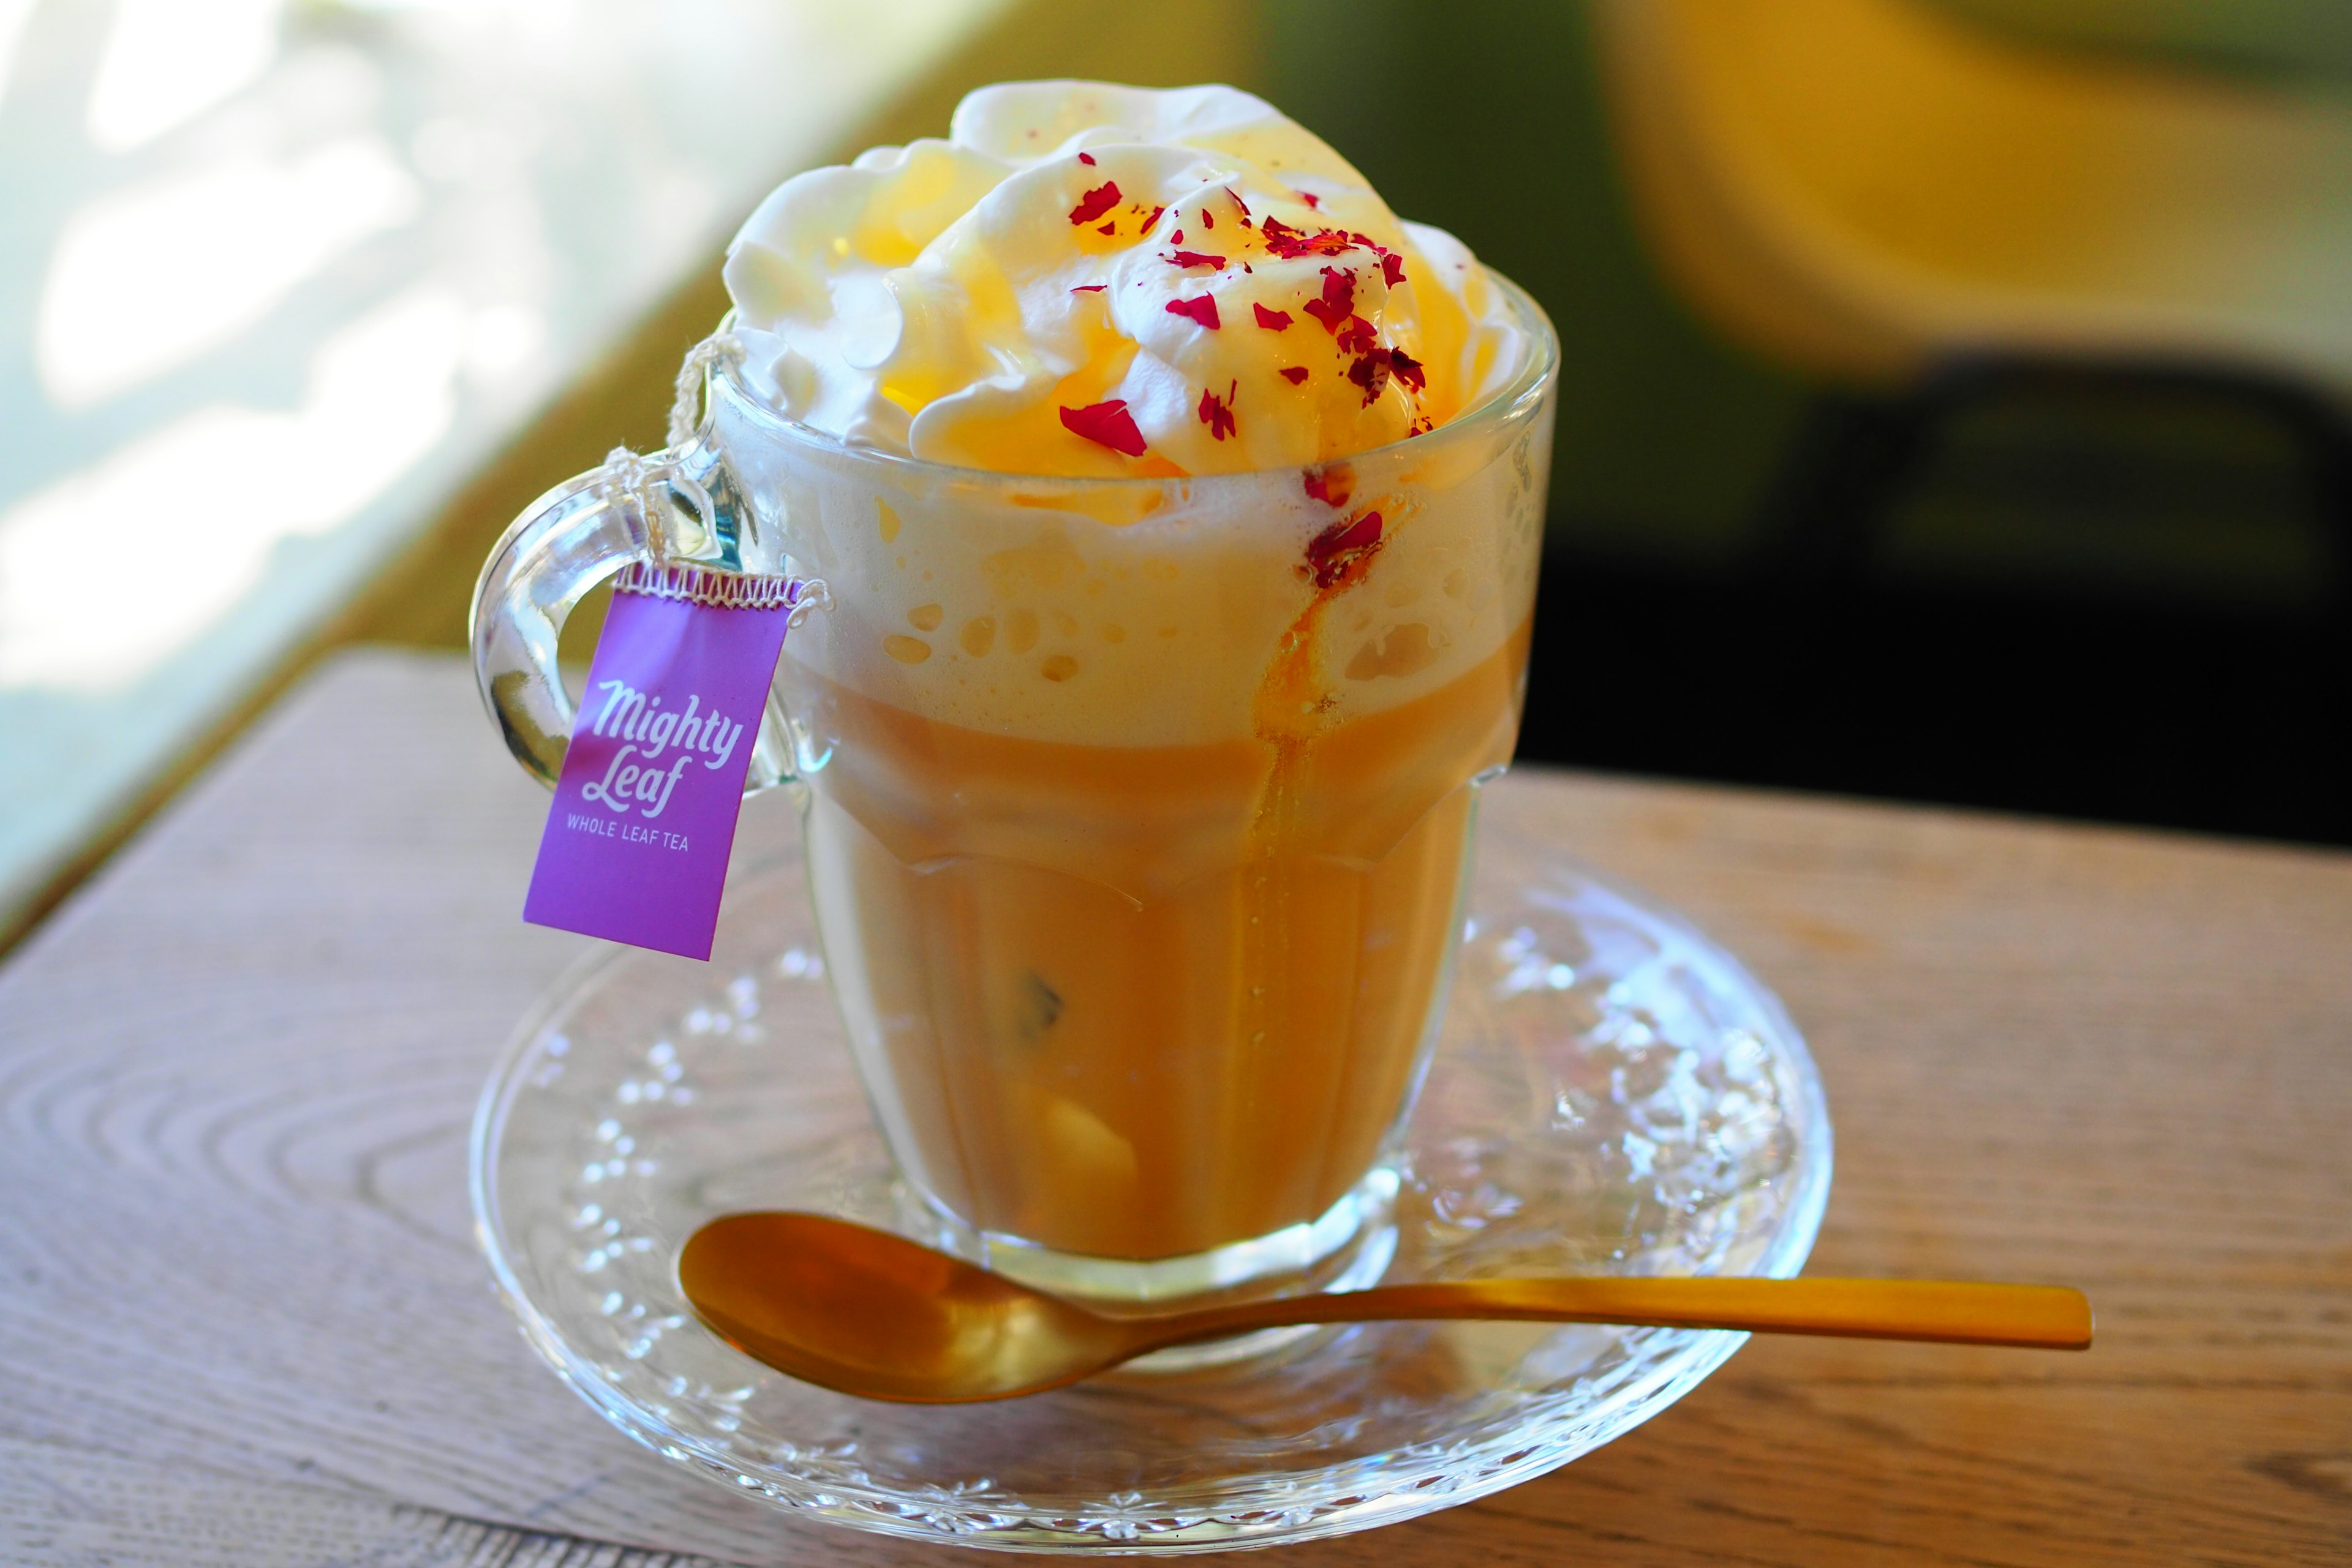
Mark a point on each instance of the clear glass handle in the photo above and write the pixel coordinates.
(564, 544)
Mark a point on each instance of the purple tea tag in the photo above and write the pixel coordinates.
(637, 843)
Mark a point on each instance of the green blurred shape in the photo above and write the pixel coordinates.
(1486, 119)
(2305, 39)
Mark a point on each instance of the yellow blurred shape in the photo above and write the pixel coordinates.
(1859, 185)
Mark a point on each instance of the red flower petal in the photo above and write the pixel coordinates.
(1198, 259)
(1290, 244)
(1153, 221)
(1407, 369)
(1311, 201)
(1370, 372)
(1357, 337)
(1089, 289)
(1338, 300)
(1271, 320)
(1176, 238)
(1391, 268)
(1110, 228)
(1330, 486)
(1202, 310)
(1294, 373)
(1206, 221)
(1217, 413)
(1098, 201)
(1107, 424)
(1238, 201)
(1340, 547)
(1087, 159)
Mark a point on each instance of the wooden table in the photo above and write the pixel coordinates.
(243, 1321)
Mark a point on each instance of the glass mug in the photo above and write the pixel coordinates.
(1137, 811)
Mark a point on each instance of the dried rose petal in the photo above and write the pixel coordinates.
(1271, 320)
(1206, 221)
(1198, 259)
(1202, 310)
(1357, 337)
(1290, 244)
(1107, 424)
(1087, 159)
(1391, 268)
(1315, 202)
(1110, 228)
(1098, 201)
(1217, 413)
(1338, 300)
(1294, 373)
(1407, 369)
(1089, 289)
(1330, 486)
(1340, 547)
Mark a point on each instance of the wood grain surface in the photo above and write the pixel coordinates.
(243, 1321)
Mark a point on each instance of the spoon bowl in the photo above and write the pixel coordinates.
(869, 1312)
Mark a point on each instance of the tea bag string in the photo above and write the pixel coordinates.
(686, 408)
(686, 415)
(628, 481)
(814, 597)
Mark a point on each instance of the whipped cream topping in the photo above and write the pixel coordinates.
(1085, 279)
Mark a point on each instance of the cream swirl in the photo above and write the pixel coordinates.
(1092, 280)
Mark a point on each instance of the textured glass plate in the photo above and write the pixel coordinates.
(1613, 1094)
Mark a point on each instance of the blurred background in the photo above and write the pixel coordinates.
(1954, 406)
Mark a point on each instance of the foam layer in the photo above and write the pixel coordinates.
(1152, 613)
(1092, 280)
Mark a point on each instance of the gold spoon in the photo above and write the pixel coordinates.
(870, 1313)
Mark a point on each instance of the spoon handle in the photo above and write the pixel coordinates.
(2043, 1317)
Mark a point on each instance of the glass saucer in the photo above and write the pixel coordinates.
(1612, 1094)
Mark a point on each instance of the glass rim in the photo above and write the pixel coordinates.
(1516, 399)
